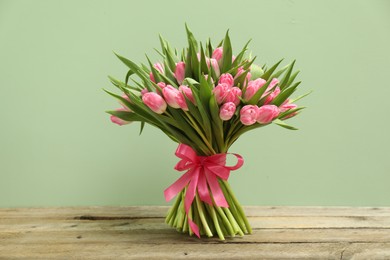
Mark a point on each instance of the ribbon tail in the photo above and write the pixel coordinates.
(189, 198)
(203, 190)
(177, 186)
(216, 190)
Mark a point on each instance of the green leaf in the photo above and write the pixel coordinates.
(217, 125)
(154, 70)
(283, 83)
(300, 97)
(191, 39)
(267, 74)
(119, 84)
(289, 112)
(202, 110)
(203, 65)
(239, 57)
(141, 129)
(256, 97)
(292, 78)
(125, 115)
(283, 124)
(285, 94)
(227, 54)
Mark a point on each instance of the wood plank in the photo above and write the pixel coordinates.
(198, 251)
(160, 211)
(158, 223)
(140, 233)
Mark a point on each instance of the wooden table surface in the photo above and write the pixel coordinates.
(140, 233)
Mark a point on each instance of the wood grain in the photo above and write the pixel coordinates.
(140, 233)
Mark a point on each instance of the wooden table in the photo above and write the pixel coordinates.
(140, 233)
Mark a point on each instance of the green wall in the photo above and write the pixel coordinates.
(58, 147)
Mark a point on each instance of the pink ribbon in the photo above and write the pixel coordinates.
(202, 174)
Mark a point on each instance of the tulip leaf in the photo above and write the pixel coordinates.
(119, 84)
(191, 39)
(256, 97)
(239, 57)
(289, 112)
(300, 97)
(283, 124)
(203, 64)
(126, 115)
(141, 128)
(283, 83)
(279, 99)
(227, 54)
(268, 73)
(217, 124)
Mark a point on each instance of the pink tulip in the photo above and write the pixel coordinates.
(188, 93)
(220, 92)
(241, 70)
(214, 64)
(217, 53)
(151, 77)
(234, 95)
(159, 66)
(117, 120)
(155, 102)
(267, 113)
(272, 96)
(125, 108)
(162, 86)
(180, 71)
(248, 115)
(145, 90)
(227, 111)
(171, 96)
(227, 79)
(271, 85)
(182, 101)
(287, 106)
(253, 87)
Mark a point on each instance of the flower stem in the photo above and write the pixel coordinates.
(202, 216)
(238, 206)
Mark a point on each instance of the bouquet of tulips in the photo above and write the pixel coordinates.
(205, 98)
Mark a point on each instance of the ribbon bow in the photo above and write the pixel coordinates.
(202, 173)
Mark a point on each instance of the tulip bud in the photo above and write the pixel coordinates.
(272, 96)
(271, 85)
(233, 95)
(117, 120)
(170, 95)
(287, 106)
(253, 87)
(155, 102)
(227, 111)
(267, 113)
(220, 92)
(180, 71)
(214, 64)
(145, 90)
(188, 93)
(248, 114)
(151, 77)
(125, 108)
(159, 66)
(217, 54)
(227, 79)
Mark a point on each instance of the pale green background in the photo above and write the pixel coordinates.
(58, 148)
